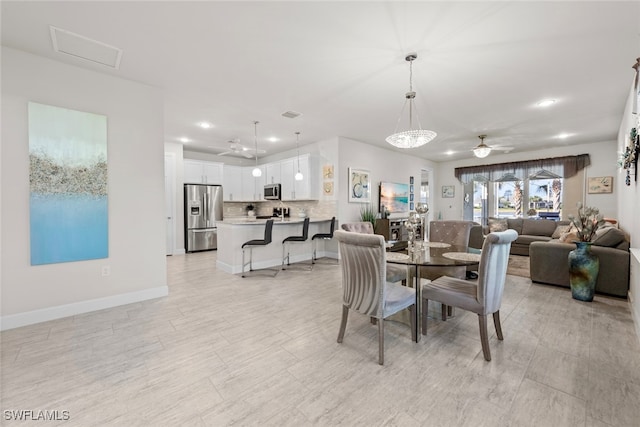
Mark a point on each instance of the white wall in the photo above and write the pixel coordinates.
(603, 163)
(384, 165)
(629, 205)
(135, 183)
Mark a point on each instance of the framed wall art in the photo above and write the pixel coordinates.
(600, 184)
(359, 186)
(448, 191)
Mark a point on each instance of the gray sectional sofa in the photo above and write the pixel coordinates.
(548, 255)
(549, 262)
(529, 230)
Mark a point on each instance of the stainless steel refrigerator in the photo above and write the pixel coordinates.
(202, 209)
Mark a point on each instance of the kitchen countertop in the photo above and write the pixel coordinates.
(245, 220)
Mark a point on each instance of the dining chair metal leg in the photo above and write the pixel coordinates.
(425, 310)
(381, 341)
(496, 322)
(484, 337)
(343, 323)
(414, 329)
(444, 312)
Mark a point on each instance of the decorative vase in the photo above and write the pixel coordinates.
(583, 271)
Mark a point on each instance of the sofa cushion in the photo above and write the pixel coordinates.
(609, 236)
(498, 224)
(540, 227)
(560, 230)
(569, 237)
(527, 239)
(515, 224)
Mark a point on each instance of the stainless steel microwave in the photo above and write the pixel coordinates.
(272, 192)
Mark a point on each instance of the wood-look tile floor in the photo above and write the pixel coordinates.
(221, 350)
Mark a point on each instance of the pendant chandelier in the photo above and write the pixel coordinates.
(482, 150)
(256, 172)
(411, 138)
(299, 176)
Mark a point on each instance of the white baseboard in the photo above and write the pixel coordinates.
(51, 313)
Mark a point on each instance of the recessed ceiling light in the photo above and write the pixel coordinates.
(564, 135)
(205, 125)
(546, 102)
(450, 152)
(184, 139)
(273, 139)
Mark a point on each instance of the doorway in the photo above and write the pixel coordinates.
(169, 200)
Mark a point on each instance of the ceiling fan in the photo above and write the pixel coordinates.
(237, 149)
(482, 150)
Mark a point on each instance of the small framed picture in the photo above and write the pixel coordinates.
(411, 197)
(411, 189)
(410, 180)
(600, 184)
(410, 206)
(448, 191)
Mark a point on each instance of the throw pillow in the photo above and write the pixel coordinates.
(560, 230)
(498, 224)
(609, 236)
(569, 237)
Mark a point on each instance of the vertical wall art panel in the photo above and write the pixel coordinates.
(68, 185)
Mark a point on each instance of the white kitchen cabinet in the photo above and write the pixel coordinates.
(232, 183)
(202, 172)
(272, 175)
(292, 189)
(252, 187)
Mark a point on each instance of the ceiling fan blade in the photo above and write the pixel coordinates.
(225, 153)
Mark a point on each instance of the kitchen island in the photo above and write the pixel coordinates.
(233, 232)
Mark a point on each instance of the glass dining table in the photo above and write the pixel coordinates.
(445, 258)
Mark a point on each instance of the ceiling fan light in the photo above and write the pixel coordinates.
(482, 151)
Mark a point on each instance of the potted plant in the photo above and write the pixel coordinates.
(367, 214)
(584, 265)
(250, 210)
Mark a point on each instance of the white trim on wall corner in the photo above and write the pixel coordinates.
(51, 313)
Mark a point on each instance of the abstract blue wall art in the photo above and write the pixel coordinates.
(68, 212)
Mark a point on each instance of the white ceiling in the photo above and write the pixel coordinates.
(481, 67)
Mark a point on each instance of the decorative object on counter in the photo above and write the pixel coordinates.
(584, 265)
(302, 213)
(411, 138)
(256, 172)
(359, 186)
(250, 210)
(368, 214)
(422, 209)
(600, 184)
(412, 225)
(298, 176)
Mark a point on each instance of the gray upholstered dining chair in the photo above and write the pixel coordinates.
(364, 288)
(454, 233)
(395, 273)
(482, 298)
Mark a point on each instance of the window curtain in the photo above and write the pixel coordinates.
(564, 167)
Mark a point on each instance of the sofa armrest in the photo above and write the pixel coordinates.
(549, 263)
